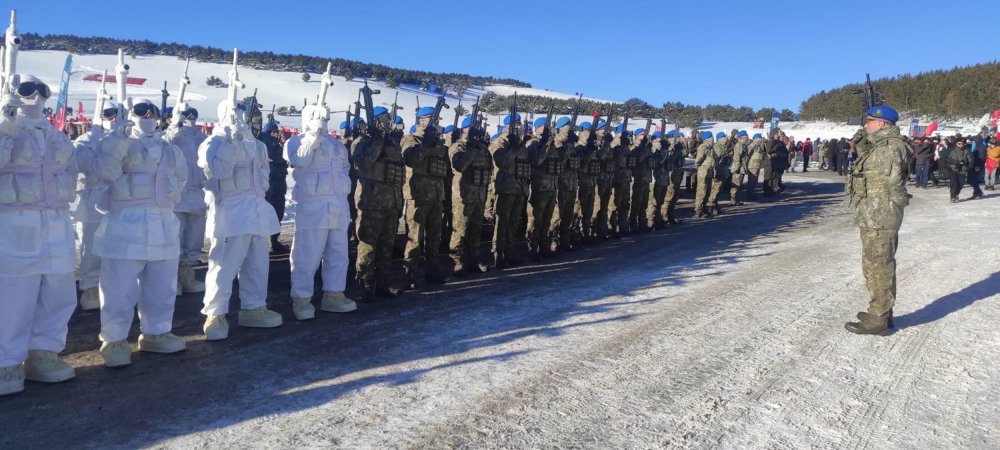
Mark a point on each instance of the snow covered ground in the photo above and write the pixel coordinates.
(722, 333)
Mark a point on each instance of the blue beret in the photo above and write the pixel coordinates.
(343, 124)
(540, 122)
(757, 136)
(495, 137)
(506, 119)
(720, 135)
(449, 128)
(413, 129)
(399, 120)
(657, 134)
(357, 122)
(379, 110)
(705, 135)
(585, 126)
(742, 133)
(638, 131)
(671, 133)
(601, 124)
(424, 111)
(620, 128)
(466, 122)
(884, 112)
(563, 121)
(500, 129)
(682, 134)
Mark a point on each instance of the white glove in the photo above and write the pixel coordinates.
(8, 112)
(178, 118)
(114, 146)
(310, 141)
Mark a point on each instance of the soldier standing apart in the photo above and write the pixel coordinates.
(877, 190)
(191, 209)
(546, 156)
(642, 176)
(512, 184)
(569, 181)
(624, 161)
(139, 238)
(738, 167)
(704, 160)
(426, 185)
(240, 221)
(381, 174)
(321, 171)
(473, 166)
(38, 172)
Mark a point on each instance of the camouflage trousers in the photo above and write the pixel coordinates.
(509, 208)
(603, 208)
(657, 204)
(705, 177)
(751, 182)
(543, 204)
(424, 219)
(586, 209)
(640, 203)
(466, 234)
(878, 262)
(620, 207)
(376, 233)
(567, 215)
(734, 190)
(713, 195)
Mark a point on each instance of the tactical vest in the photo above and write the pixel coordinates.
(522, 168)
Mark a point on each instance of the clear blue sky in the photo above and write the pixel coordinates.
(750, 53)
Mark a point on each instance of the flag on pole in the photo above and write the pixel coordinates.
(60, 121)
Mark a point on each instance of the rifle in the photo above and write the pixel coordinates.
(624, 135)
(347, 124)
(367, 92)
(645, 136)
(395, 108)
(576, 115)
(255, 128)
(270, 119)
(476, 131)
(512, 112)
(9, 78)
(102, 96)
(124, 103)
(456, 133)
(324, 87)
(178, 118)
(163, 106)
(548, 122)
(593, 127)
(356, 129)
(234, 84)
(433, 122)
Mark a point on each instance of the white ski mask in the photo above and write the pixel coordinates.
(146, 124)
(315, 119)
(108, 123)
(33, 104)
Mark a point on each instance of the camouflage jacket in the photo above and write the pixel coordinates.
(642, 171)
(605, 158)
(877, 182)
(741, 152)
(757, 155)
(473, 168)
(590, 166)
(381, 173)
(624, 161)
(547, 160)
(723, 151)
(569, 179)
(704, 158)
(427, 167)
(513, 168)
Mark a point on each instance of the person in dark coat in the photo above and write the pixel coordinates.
(277, 186)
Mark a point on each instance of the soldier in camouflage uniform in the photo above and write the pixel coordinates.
(590, 169)
(547, 154)
(741, 153)
(642, 176)
(704, 161)
(877, 190)
(604, 182)
(513, 178)
(352, 203)
(723, 150)
(621, 151)
(675, 174)
(569, 182)
(427, 171)
(381, 173)
(756, 158)
(473, 166)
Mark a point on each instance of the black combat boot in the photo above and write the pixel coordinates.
(870, 324)
(862, 316)
(410, 278)
(500, 260)
(716, 210)
(435, 275)
(383, 290)
(367, 290)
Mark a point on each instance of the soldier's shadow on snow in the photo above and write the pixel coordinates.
(950, 303)
(480, 324)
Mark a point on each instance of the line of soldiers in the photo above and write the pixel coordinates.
(547, 188)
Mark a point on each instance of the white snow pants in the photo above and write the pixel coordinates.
(34, 314)
(127, 283)
(192, 237)
(90, 264)
(244, 256)
(311, 247)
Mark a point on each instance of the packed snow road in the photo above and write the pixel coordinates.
(719, 333)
